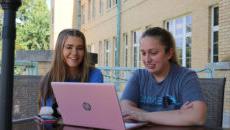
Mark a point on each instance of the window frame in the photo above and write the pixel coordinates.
(184, 34)
(93, 9)
(101, 53)
(214, 28)
(101, 7)
(125, 43)
(89, 9)
(107, 52)
(115, 49)
(136, 35)
(82, 14)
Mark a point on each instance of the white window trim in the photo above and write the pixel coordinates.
(100, 53)
(93, 9)
(82, 14)
(115, 49)
(125, 40)
(101, 6)
(107, 50)
(184, 42)
(136, 45)
(89, 10)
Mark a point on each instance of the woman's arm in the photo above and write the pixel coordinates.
(193, 115)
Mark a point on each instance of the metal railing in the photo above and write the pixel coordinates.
(120, 75)
(111, 74)
(25, 68)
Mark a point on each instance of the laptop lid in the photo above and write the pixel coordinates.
(88, 104)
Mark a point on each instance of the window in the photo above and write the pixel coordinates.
(106, 42)
(125, 42)
(214, 34)
(83, 14)
(101, 53)
(94, 10)
(89, 10)
(101, 4)
(136, 50)
(109, 4)
(114, 2)
(115, 49)
(181, 29)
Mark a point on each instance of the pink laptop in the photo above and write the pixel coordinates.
(90, 105)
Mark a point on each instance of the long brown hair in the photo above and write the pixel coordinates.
(166, 39)
(58, 71)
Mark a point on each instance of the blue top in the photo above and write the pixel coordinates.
(95, 76)
(180, 85)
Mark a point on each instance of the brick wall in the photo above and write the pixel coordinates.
(224, 30)
(224, 47)
(133, 19)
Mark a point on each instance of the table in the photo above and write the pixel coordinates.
(33, 125)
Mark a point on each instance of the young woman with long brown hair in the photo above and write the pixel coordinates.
(70, 64)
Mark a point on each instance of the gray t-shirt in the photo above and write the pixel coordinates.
(180, 85)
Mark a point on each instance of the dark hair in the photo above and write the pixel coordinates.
(166, 39)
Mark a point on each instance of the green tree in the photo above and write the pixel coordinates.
(33, 29)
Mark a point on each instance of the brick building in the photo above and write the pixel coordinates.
(195, 26)
(113, 28)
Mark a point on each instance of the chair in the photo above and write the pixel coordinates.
(213, 91)
(26, 91)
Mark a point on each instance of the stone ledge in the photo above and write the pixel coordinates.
(34, 55)
(46, 56)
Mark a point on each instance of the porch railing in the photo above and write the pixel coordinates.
(25, 68)
(120, 75)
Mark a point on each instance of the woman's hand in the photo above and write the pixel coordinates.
(130, 111)
(135, 115)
